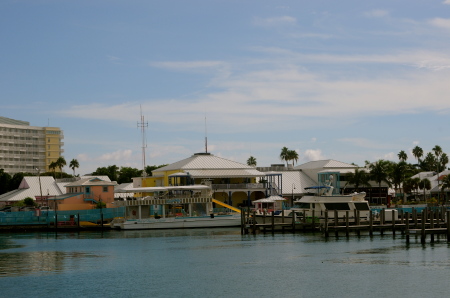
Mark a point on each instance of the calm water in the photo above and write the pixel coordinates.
(219, 263)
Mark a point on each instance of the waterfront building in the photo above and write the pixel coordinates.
(85, 194)
(28, 149)
(232, 182)
(64, 194)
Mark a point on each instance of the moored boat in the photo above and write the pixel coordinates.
(173, 207)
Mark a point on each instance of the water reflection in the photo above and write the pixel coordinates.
(41, 262)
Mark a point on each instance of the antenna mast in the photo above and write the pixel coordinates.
(143, 125)
(206, 137)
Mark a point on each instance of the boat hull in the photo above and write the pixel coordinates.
(181, 223)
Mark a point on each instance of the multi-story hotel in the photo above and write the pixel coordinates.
(25, 148)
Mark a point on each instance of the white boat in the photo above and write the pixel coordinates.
(317, 205)
(174, 207)
(325, 202)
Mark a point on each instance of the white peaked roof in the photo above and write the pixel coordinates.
(205, 165)
(323, 164)
(29, 187)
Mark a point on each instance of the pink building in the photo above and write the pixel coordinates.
(85, 194)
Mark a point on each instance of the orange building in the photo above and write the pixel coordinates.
(85, 194)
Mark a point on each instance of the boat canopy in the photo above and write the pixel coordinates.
(317, 187)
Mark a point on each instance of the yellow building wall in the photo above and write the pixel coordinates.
(52, 145)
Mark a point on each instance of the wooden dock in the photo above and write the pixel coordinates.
(428, 222)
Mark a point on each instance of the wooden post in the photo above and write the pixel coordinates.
(264, 216)
(407, 228)
(346, 223)
(326, 224)
(336, 220)
(432, 225)
(422, 234)
(448, 225)
(273, 221)
(370, 223)
(293, 220)
(312, 220)
(78, 216)
(393, 222)
(415, 217)
(282, 215)
(254, 223)
(242, 221)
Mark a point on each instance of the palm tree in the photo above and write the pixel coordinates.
(379, 172)
(425, 184)
(52, 167)
(437, 150)
(74, 165)
(428, 163)
(443, 161)
(293, 155)
(402, 156)
(410, 185)
(359, 177)
(251, 161)
(397, 173)
(284, 155)
(418, 153)
(60, 162)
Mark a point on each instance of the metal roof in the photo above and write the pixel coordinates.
(89, 182)
(328, 163)
(29, 187)
(222, 173)
(204, 162)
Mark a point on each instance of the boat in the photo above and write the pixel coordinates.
(325, 201)
(316, 206)
(174, 207)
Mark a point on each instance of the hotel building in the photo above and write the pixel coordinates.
(25, 148)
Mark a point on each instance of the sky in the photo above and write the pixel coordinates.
(352, 81)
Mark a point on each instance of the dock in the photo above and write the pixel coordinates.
(433, 222)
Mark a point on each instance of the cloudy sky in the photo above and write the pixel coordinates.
(345, 80)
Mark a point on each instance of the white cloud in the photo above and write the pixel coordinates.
(440, 22)
(446, 2)
(188, 65)
(376, 13)
(312, 154)
(121, 155)
(275, 21)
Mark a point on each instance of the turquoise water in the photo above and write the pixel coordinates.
(219, 263)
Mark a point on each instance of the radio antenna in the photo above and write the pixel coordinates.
(206, 137)
(143, 125)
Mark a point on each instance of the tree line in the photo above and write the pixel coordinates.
(121, 175)
(399, 174)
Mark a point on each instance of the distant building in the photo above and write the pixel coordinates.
(64, 194)
(232, 182)
(25, 148)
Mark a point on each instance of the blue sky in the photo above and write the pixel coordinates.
(346, 80)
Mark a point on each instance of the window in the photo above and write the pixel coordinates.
(88, 189)
(105, 188)
(302, 205)
(362, 206)
(337, 206)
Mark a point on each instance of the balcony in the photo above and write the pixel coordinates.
(239, 186)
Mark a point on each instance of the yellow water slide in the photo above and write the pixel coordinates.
(226, 205)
